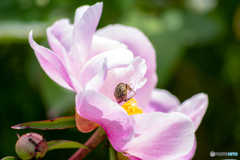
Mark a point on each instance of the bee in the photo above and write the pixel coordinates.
(121, 92)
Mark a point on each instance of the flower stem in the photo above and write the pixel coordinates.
(98, 136)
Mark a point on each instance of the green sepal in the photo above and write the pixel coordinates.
(64, 144)
(38, 155)
(57, 123)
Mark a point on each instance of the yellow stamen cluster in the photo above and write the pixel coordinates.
(131, 107)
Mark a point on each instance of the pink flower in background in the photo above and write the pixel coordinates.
(194, 107)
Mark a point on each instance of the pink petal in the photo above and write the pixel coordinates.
(162, 100)
(140, 45)
(102, 44)
(97, 81)
(133, 158)
(60, 39)
(109, 115)
(82, 35)
(79, 13)
(115, 59)
(143, 94)
(161, 136)
(53, 67)
(190, 155)
(194, 108)
(132, 75)
(61, 31)
(136, 41)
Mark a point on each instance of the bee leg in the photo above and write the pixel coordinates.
(130, 89)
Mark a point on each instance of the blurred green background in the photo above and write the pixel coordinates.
(197, 48)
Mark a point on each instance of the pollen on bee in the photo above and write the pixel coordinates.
(131, 107)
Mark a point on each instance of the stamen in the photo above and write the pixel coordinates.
(131, 107)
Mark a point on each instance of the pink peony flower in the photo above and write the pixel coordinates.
(92, 64)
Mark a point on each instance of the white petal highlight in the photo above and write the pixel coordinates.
(97, 81)
(115, 59)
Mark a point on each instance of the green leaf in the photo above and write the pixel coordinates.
(63, 144)
(58, 123)
(9, 158)
(112, 153)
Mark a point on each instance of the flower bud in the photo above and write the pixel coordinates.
(31, 145)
